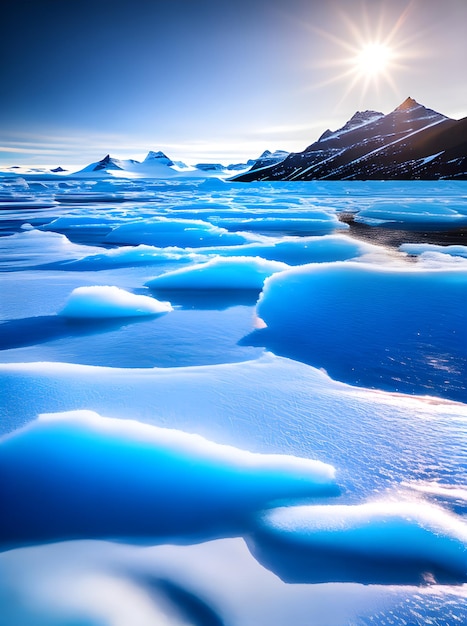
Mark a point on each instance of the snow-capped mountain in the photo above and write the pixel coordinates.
(106, 164)
(160, 158)
(265, 159)
(269, 158)
(411, 142)
(155, 165)
(157, 157)
(241, 166)
(159, 165)
(210, 167)
(358, 119)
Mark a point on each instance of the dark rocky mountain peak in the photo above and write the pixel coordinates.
(410, 143)
(107, 162)
(358, 119)
(269, 158)
(413, 110)
(409, 103)
(362, 117)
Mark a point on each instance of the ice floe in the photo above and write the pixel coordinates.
(421, 248)
(128, 256)
(387, 320)
(289, 250)
(269, 404)
(413, 215)
(104, 301)
(32, 247)
(298, 250)
(315, 222)
(377, 542)
(323, 314)
(108, 478)
(220, 273)
(164, 232)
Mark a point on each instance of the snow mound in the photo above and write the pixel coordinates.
(99, 302)
(377, 542)
(112, 478)
(164, 232)
(220, 273)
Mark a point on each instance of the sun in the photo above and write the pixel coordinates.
(375, 50)
(373, 59)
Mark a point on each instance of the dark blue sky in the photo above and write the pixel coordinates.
(212, 79)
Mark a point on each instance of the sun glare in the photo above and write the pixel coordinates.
(374, 51)
(373, 59)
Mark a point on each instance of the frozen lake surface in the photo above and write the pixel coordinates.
(253, 402)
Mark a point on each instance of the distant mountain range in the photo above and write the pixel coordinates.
(410, 143)
(159, 165)
(155, 165)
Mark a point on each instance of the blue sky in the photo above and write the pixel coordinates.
(213, 79)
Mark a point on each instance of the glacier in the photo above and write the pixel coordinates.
(282, 443)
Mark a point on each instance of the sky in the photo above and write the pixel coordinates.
(214, 80)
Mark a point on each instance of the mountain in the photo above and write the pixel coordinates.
(210, 167)
(265, 159)
(157, 157)
(410, 143)
(106, 164)
(269, 158)
(241, 166)
(155, 165)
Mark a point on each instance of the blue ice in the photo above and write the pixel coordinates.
(78, 475)
(400, 328)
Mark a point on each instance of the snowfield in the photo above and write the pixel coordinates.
(227, 403)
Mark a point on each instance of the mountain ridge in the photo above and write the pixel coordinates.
(412, 142)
